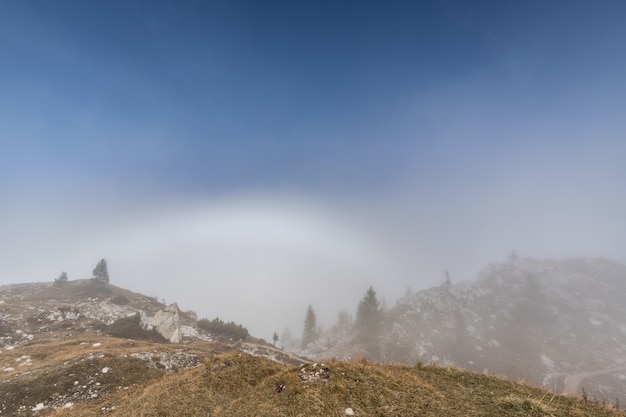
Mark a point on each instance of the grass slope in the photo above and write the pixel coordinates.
(235, 384)
(56, 373)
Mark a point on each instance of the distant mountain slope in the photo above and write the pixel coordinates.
(557, 324)
(55, 360)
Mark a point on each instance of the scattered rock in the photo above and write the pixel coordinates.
(190, 332)
(39, 407)
(169, 361)
(349, 411)
(313, 373)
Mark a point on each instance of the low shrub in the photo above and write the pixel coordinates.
(218, 328)
(5, 329)
(120, 300)
(130, 328)
(96, 288)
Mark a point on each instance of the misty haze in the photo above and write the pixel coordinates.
(428, 183)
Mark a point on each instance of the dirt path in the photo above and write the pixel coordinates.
(573, 382)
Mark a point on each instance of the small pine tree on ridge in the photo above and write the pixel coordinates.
(100, 272)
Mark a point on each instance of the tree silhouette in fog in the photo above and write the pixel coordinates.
(62, 278)
(100, 272)
(369, 323)
(309, 335)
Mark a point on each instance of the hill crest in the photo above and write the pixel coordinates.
(56, 360)
(548, 322)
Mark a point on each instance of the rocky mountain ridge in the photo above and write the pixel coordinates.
(56, 357)
(76, 307)
(56, 351)
(558, 324)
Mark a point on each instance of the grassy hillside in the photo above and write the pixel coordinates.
(57, 373)
(236, 384)
(56, 360)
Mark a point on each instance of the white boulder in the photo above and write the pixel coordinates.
(166, 322)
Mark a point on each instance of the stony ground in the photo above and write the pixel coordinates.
(54, 354)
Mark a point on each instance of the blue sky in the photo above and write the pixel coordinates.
(422, 136)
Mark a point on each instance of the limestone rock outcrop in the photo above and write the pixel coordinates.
(166, 322)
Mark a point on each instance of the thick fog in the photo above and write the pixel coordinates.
(261, 260)
(247, 163)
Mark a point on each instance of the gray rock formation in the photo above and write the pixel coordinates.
(166, 322)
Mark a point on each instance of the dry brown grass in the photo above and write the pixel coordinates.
(55, 365)
(46, 353)
(234, 384)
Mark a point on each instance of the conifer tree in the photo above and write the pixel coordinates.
(287, 340)
(310, 328)
(62, 278)
(100, 272)
(275, 338)
(369, 321)
(344, 319)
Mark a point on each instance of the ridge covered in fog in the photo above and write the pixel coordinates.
(59, 353)
(555, 323)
